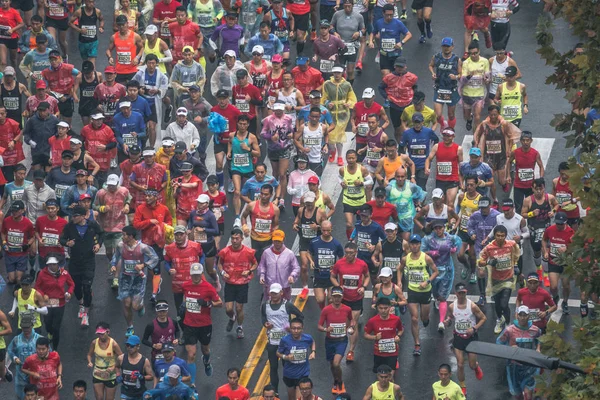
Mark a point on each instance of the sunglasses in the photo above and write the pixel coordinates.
(473, 53)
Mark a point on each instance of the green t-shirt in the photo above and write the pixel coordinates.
(451, 391)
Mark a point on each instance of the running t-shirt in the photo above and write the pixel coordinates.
(241, 393)
(557, 240)
(390, 34)
(299, 366)
(476, 70)
(538, 301)
(350, 277)
(382, 215)
(17, 234)
(337, 318)
(389, 328)
(50, 232)
(325, 254)
(195, 314)
(451, 391)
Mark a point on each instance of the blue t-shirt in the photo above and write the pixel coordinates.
(482, 170)
(299, 367)
(140, 105)
(161, 366)
(325, 254)
(418, 144)
(390, 34)
(325, 114)
(124, 126)
(13, 192)
(364, 235)
(252, 187)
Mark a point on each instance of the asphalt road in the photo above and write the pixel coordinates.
(416, 374)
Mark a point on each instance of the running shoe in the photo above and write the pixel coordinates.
(422, 39)
(565, 307)
(240, 332)
(142, 311)
(386, 103)
(115, 283)
(377, 58)
(469, 124)
(85, 320)
(153, 299)
(426, 323)
(340, 161)
(129, 331)
(482, 301)
(8, 376)
(429, 31)
(229, 326)
(464, 390)
(479, 373)
(237, 223)
(230, 187)
(332, 157)
(510, 54)
(473, 278)
(350, 357)
(81, 311)
(208, 369)
(540, 274)
(313, 35)
(464, 274)
(436, 304)
(281, 205)
(403, 309)
(506, 188)
(441, 327)
(403, 16)
(413, 10)
(159, 285)
(500, 324)
(50, 336)
(546, 280)
(417, 350)
(475, 36)
(358, 67)
(338, 388)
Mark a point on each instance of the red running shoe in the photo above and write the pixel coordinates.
(464, 390)
(340, 161)
(478, 373)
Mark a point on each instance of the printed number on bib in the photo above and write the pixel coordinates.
(200, 237)
(510, 111)
(533, 314)
(124, 57)
(350, 281)
(350, 48)
(362, 129)
(444, 168)
(354, 189)
(388, 44)
(241, 160)
(386, 345)
(462, 326)
(391, 262)
(326, 65)
(339, 330)
(415, 277)
(262, 225)
(276, 335)
(50, 239)
(243, 106)
(493, 146)
(191, 305)
(129, 139)
(444, 95)
(298, 356)
(53, 303)
(526, 174)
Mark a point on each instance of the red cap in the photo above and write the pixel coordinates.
(40, 84)
(110, 70)
(84, 196)
(277, 58)
(313, 179)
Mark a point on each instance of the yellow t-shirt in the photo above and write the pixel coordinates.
(428, 115)
(452, 391)
(475, 87)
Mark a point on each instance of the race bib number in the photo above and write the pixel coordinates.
(511, 111)
(391, 262)
(241, 160)
(493, 146)
(350, 281)
(87, 93)
(11, 103)
(444, 96)
(326, 261)
(262, 225)
(276, 335)
(386, 345)
(444, 168)
(124, 57)
(129, 267)
(249, 18)
(298, 1)
(312, 141)
(282, 35)
(350, 48)
(308, 232)
(533, 314)
(539, 234)
(243, 106)
(526, 174)
(354, 189)
(200, 237)
(415, 277)
(60, 189)
(388, 44)
(129, 139)
(339, 330)
(101, 374)
(497, 79)
(205, 20)
(373, 155)
(503, 263)
(298, 355)
(53, 303)
(418, 150)
(562, 198)
(464, 220)
(462, 326)
(15, 238)
(37, 75)
(555, 249)
(50, 239)
(56, 11)
(164, 30)
(192, 306)
(326, 66)
(88, 31)
(4, 31)
(364, 239)
(362, 129)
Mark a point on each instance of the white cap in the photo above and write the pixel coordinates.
(390, 226)
(368, 93)
(112, 179)
(150, 30)
(182, 111)
(337, 69)
(97, 116)
(125, 104)
(279, 106)
(310, 197)
(437, 193)
(148, 152)
(230, 53)
(196, 269)
(275, 288)
(258, 49)
(523, 309)
(52, 260)
(168, 142)
(203, 198)
(386, 272)
(75, 140)
(63, 124)
(174, 371)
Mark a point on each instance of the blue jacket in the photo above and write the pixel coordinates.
(164, 389)
(135, 123)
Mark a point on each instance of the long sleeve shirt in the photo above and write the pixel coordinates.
(54, 286)
(187, 133)
(123, 128)
(39, 131)
(35, 199)
(481, 225)
(277, 268)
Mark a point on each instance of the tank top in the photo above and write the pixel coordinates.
(542, 221)
(467, 207)
(306, 232)
(281, 26)
(88, 23)
(417, 272)
(259, 74)
(319, 203)
(204, 13)
(131, 257)
(392, 253)
(126, 51)
(131, 17)
(361, 113)
(156, 51)
(104, 359)
(79, 163)
(494, 140)
(444, 67)
(564, 194)
(280, 320)
(524, 167)
(392, 296)
(353, 195)
(447, 162)
(12, 102)
(432, 216)
(262, 222)
(313, 139)
(464, 319)
(86, 94)
(241, 160)
(132, 387)
(289, 99)
(511, 102)
(162, 335)
(390, 167)
(23, 303)
(372, 157)
(377, 394)
(56, 9)
(497, 72)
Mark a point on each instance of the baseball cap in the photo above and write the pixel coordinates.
(9, 71)
(437, 222)
(187, 48)
(390, 226)
(98, 116)
(229, 53)
(151, 30)
(523, 309)
(110, 70)
(368, 93)
(203, 198)
(533, 276)
(212, 179)
(44, 105)
(301, 60)
(41, 39)
(337, 68)
(174, 371)
(26, 319)
(222, 93)
(133, 340)
(507, 204)
(275, 288)
(67, 154)
(39, 174)
(166, 347)
(51, 202)
(310, 197)
(78, 210)
(194, 87)
(112, 179)
(460, 287)
(87, 66)
(81, 172)
(134, 149)
(101, 330)
(75, 140)
(314, 180)
(258, 49)
(560, 218)
(278, 235)
(179, 229)
(52, 260)
(447, 41)
(162, 306)
(85, 196)
(182, 111)
(196, 269)
(315, 94)
(180, 147)
(418, 117)
(277, 58)
(475, 151)
(414, 238)
(186, 166)
(437, 193)
(121, 20)
(325, 22)
(17, 205)
(386, 272)
(41, 84)
(400, 62)
(125, 104)
(27, 280)
(511, 70)
(380, 192)
(484, 202)
(337, 291)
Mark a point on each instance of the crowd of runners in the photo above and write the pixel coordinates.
(159, 172)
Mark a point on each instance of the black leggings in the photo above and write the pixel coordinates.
(83, 289)
(274, 365)
(178, 297)
(500, 33)
(501, 304)
(53, 320)
(520, 195)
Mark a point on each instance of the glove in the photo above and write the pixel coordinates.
(32, 144)
(204, 303)
(492, 262)
(453, 250)
(517, 270)
(119, 379)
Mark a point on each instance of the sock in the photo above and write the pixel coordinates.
(583, 309)
(299, 48)
(421, 25)
(155, 283)
(220, 178)
(452, 123)
(206, 358)
(441, 121)
(349, 232)
(481, 286)
(443, 310)
(192, 370)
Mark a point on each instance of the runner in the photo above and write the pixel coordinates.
(236, 264)
(206, 13)
(474, 77)
(397, 88)
(388, 254)
(101, 145)
(385, 329)
(156, 46)
(258, 68)
(446, 387)
(265, 43)
(127, 45)
(383, 388)
(307, 78)
(264, 218)
(388, 164)
(105, 351)
(324, 252)
(59, 143)
(382, 210)
(252, 188)
(468, 319)
(394, 292)
(44, 369)
(437, 210)
(359, 116)
(475, 167)
(418, 105)
(446, 69)
(232, 389)
(227, 37)
(312, 140)
(512, 97)
(500, 27)
(539, 302)
(183, 33)
(367, 234)
(525, 159)
(392, 35)
(62, 178)
(417, 266)
(300, 9)
(204, 228)
(221, 141)
(18, 240)
(133, 370)
(375, 147)
(294, 348)
(498, 65)
(298, 181)
(327, 49)
(477, 16)
(30, 303)
(349, 26)
(217, 204)
(40, 96)
(108, 93)
(161, 332)
(323, 200)
(352, 275)
(280, 20)
(165, 359)
(12, 92)
(88, 18)
(19, 349)
(57, 22)
(5, 330)
(60, 78)
(449, 156)
(564, 196)
(353, 178)
(307, 223)
(407, 197)
(164, 14)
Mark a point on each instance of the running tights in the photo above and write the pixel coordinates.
(501, 304)
(274, 365)
(53, 320)
(83, 289)
(500, 34)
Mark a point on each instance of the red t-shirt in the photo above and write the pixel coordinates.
(163, 11)
(231, 114)
(239, 97)
(50, 232)
(241, 393)
(235, 262)
(57, 146)
(382, 215)
(337, 318)
(350, 277)
(389, 328)
(218, 200)
(48, 370)
(298, 7)
(181, 36)
(557, 239)
(536, 302)
(17, 234)
(181, 260)
(195, 315)
(10, 18)
(361, 112)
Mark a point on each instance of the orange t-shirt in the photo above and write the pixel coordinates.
(241, 393)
